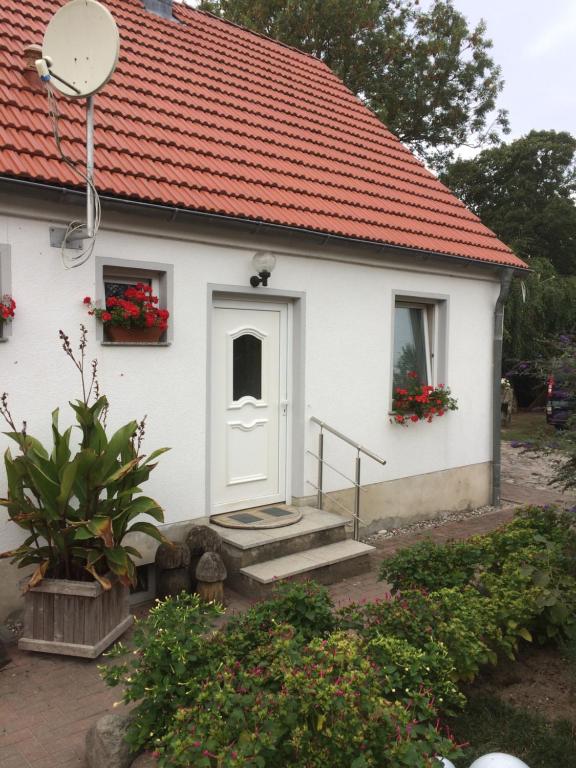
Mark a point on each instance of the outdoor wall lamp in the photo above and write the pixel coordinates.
(263, 262)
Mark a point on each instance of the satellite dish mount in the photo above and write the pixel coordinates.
(79, 55)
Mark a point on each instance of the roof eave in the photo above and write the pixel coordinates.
(253, 226)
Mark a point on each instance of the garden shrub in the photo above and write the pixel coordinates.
(305, 606)
(294, 682)
(173, 656)
(432, 566)
(310, 705)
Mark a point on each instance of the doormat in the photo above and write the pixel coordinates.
(267, 517)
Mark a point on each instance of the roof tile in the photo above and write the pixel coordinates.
(211, 117)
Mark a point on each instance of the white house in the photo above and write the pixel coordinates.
(213, 144)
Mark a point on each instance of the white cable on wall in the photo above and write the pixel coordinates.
(70, 261)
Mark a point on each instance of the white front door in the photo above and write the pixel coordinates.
(249, 404)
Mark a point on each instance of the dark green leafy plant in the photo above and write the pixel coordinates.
(306, 607)
(78, 507)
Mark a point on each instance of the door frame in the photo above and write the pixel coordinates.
(295, 378)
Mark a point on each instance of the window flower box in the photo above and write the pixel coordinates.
(133, 317)
(420, 402)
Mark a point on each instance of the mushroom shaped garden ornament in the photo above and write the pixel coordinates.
(210, 575)
(498, 760)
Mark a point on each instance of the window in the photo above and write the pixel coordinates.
(247, 367)
(5, 286)
(412, 343)
(114, 276)
(419, 339)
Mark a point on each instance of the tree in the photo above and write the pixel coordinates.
(524, 191)
(426, 74)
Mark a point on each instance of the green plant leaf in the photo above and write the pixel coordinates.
(150, 530)
(154, 455)
(101, 527)
(144, 505)
(121, 473)
(66, 484)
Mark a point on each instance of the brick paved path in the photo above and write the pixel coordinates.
(47, 703)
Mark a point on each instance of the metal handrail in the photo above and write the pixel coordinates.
(358, 447)
(335, 501)
(334, 469)
(356, 482)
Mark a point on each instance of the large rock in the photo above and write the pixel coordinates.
(106, 745)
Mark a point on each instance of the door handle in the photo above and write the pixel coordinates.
(284, 406)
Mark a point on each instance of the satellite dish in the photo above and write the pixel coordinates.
(81, 46)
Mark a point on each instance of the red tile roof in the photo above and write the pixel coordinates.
(210, 117)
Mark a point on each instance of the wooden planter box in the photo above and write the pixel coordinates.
(74, 618)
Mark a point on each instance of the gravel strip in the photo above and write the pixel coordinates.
(423, 525)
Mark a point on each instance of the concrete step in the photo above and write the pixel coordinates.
(326, 564)
(245, 547)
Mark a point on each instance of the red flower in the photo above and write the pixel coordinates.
(399, 418)
(87, 300)
(414, 417)
(106, 317)
(412, 375)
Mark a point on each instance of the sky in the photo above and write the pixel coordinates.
(534, 44)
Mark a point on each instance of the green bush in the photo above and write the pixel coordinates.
(305, 606)
(173, 656)
(433, 566)
(311, 705)
(427, 565)
(294, 682)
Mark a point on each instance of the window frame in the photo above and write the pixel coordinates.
(5, 285)
(120, 270)
(436, 308)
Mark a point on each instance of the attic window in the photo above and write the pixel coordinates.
(161, 8)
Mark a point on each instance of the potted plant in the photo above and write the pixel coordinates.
(420, 402)
(77, 508)
(135, 317)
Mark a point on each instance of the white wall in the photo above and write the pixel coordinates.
(348, 354)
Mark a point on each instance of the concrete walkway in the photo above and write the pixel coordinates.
(47, 703)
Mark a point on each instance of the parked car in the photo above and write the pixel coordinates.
(560, 404)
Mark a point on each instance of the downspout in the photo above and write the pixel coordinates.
(505, 282)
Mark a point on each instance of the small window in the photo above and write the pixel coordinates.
(419, 339)
(412, 349)
(114, 276)
(247, 367)
(114, 286)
